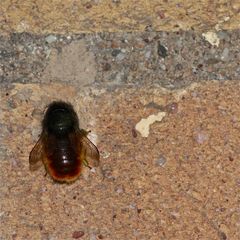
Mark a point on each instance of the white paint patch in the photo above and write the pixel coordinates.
(212, 38)
(144, 125)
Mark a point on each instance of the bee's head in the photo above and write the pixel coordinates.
(60, 118)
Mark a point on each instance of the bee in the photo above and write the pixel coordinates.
(63, 147)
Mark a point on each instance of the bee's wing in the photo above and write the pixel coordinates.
(36, 155)
(90, 151)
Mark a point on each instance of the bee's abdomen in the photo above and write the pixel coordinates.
(64, 162)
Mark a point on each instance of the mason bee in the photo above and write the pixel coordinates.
(63, 147)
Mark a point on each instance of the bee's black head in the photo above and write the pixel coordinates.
(60, 118)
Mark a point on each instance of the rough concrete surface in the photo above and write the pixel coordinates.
(172, 60)
(41, 16)
(179, 182)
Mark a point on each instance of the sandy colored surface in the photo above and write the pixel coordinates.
(72, 16)
(180, 182)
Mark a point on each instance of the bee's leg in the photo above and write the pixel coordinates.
(97, 170)
(86, 164)
(85, 171)
(84, 132)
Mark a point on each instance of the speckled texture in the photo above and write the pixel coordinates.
(41, 16)
(171, 60)
(193, 195)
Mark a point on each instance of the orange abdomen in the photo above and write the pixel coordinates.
(63, 162)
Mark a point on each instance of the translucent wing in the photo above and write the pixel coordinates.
(36, 155)
(90, 151)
